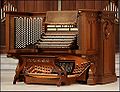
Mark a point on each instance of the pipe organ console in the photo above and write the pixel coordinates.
(62, 47)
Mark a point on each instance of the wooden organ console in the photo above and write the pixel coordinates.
(62, 47)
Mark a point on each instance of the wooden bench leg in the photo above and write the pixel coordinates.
(62, 80)
(91, 75)
(19, 68)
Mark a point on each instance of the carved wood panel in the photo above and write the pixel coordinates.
(21, 6)
(88, 33)
(68, 4)
(80, 4)
(109, 41)
(29, 6)
(84, 4)
(36, 5)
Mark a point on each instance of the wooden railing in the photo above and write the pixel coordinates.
(6, 7)
(112, 7)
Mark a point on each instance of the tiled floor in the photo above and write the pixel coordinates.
(7, 75)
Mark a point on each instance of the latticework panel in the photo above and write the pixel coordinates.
(37, 69)
(27, 31)
(48, 68)
(81, 68)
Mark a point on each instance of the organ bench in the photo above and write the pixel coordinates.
(62, 47)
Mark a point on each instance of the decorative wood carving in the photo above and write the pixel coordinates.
(106, 30)
(92, 70)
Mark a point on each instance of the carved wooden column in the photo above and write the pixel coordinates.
(106, 62)
(97, 38)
